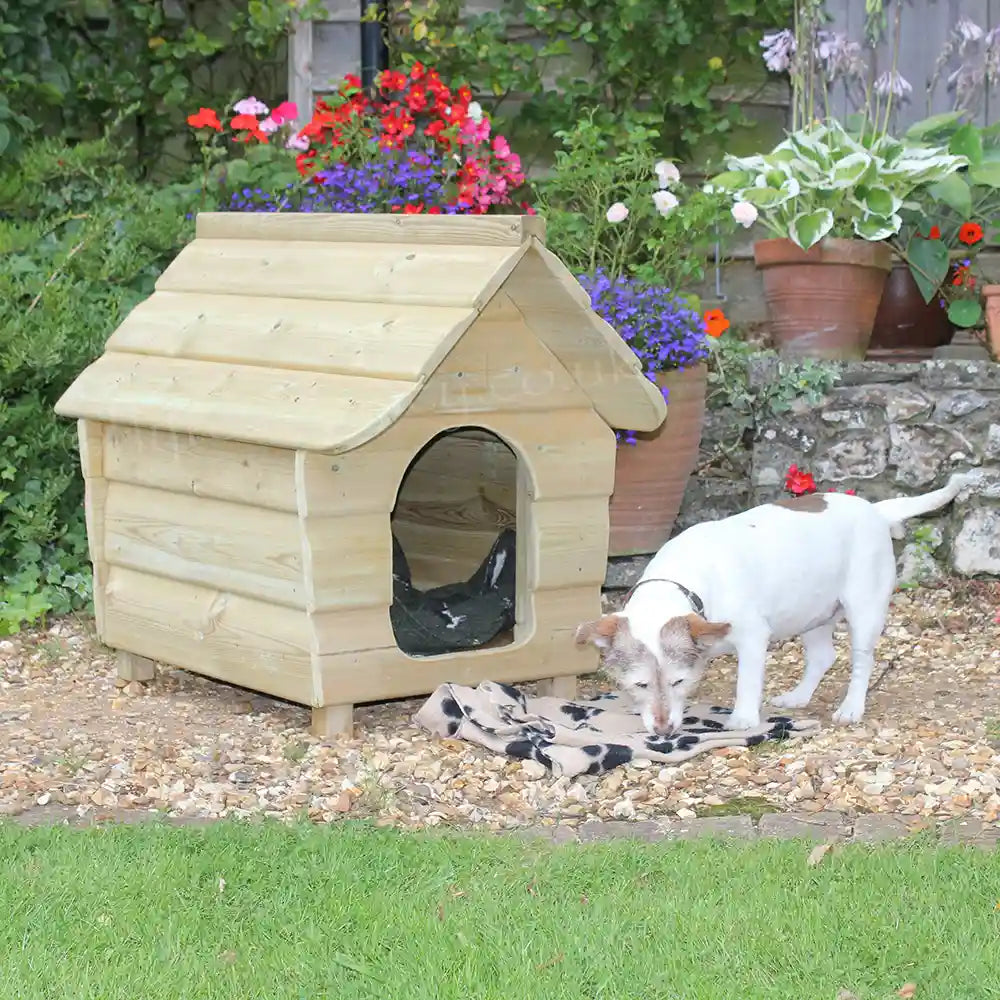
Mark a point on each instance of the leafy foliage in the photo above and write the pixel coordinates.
(592, 172)
(823, 180)
(80, 245)
(547, 63)
(66, 65)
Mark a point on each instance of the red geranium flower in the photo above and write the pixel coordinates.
(205, 118)
(935, 233)
(970, 233)
(716, 323)
(798, 482)
(250, 125)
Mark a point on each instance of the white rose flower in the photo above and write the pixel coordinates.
(475, 111)
(666, 173)
(744, 213)
(617, 212)
(665, 202)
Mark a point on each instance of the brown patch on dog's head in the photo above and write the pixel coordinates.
(691, 634)
(808, 503)
(601, 632)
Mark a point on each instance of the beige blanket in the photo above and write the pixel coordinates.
(584, 737)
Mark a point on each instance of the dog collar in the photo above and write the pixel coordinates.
(696, 602)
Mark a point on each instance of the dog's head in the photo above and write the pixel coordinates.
(659, 674)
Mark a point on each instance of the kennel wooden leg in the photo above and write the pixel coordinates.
(132, 667)
(558, 687)
(333, 720)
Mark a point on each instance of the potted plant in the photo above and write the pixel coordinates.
(830, 195)
(831, 201)
(946, 225)
(638, 237)
(652, 469)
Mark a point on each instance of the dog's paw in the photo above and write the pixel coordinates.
(791, 699)
(848, 714)
(742, 720)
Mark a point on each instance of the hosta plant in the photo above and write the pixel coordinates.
(823, 181)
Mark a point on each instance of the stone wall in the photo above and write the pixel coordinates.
(884, 430)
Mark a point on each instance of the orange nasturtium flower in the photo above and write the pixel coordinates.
(715, 322)
(971, 232)
(205, 118)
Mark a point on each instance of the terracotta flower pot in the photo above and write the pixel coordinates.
(905, 324)
(652, 474)
(822, 301)
(991, 299)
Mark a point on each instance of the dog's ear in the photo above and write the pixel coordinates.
(600, 632)
(705, 634)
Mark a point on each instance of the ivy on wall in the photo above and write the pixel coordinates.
(540, 66)
(69, 67)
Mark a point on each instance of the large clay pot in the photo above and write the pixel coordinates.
(652, 474)
(991, 302)
(905, 324)
(822, 301)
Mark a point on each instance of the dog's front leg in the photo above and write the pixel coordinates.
(752, 655)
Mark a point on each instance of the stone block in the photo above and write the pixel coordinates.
(854, 456)
(924, 453)
(992, 449)
(960, 403)
(723, 827)
(960, 375)
(821, 826)
(613, 829)
(971, 833)
(975, 548)
(875, 828)
(868, 372)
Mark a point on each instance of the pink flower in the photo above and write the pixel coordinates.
(285, 112)
(617, 212)
(250, 106)
(300, 142)
(501, 148)
(473, 131)
(269, 125)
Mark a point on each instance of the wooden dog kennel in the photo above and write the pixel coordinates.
(248, 434)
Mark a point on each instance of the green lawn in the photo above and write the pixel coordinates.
(351, 911)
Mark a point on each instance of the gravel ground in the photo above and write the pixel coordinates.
(928, 749)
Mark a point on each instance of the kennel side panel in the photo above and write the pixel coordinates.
(202, 466)
(91, 438)
(567, 451)
(549, 651)
(233, 547)
(207, 630)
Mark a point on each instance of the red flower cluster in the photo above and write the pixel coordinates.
(415, 110)
(799, 482)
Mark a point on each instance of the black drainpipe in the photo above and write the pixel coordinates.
(374, 52)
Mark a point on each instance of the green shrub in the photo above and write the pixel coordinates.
(80, 245)
(595, 169)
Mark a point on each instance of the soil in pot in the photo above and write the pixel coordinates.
(822, 301)
(906, 327)
(652, 474)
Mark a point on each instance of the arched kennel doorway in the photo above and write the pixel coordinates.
(455, 541)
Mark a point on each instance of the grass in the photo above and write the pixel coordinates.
(740, 806)
(269, 912)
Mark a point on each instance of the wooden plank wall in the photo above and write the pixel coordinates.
(925, 29)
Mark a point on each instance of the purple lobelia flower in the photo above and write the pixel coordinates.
(663, 332)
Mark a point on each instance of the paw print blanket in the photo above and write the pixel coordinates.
(584, 737)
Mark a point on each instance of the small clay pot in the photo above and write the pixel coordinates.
(822, 301)
(991, 300)
(904, 321)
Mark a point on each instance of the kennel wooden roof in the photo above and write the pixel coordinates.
(316, 332)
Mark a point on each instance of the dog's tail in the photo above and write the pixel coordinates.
(901, 509)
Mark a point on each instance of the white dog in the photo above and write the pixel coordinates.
(788, 568)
